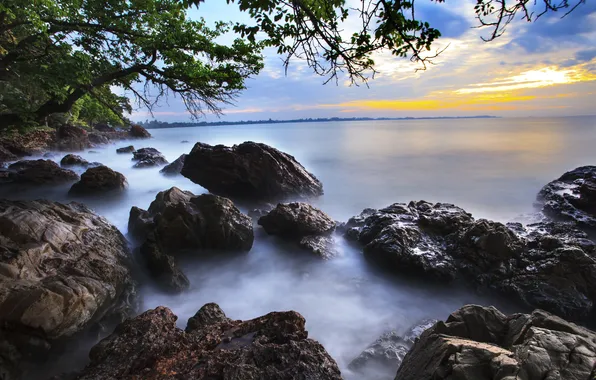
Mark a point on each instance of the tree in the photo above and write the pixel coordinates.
(69, 49)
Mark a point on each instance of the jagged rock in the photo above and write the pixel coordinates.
(271, 347)
(546, 265)
(162, 267)
(175, 167)
(483, 344)
(208, 315)
(126, 149)
(250, 171)
(73, 160)
(62, 269)
(137, 131)
(40, 172)
(99, 180)
(71, 138)
(572, 197)
(169, 199)
(296, 220)
(148, 157)
(385, 355)
(140, 223)
(322, 246)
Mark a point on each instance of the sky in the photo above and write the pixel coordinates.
(543, 68)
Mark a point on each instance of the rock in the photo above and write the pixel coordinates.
(6, 155)
(545, 265)
(126, 149)
(322, 246)
(62, 270)
(28, 144)
(73, 160)
(71, 138)
(175, 167)
(481, 343)
(250, 171)
(103, 127)
(148, 157)
(99, 180)
(572, 197)
(271, 347)
(162, 267)
(96, 138)
(169, 199)
(296, 220)
(137, 131)
(40, 172)
(140, 223)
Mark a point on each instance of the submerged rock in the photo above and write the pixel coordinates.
(126, 149)
(62, 269)
(40, 172)
(271, 347)
(73, 160)
(99, 180)
(148, 157)
(296, 220)
(249, 171)
(175, 167)
(545, 265)
(572, 197)
(481, 343)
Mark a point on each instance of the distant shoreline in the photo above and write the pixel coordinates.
(163, 125)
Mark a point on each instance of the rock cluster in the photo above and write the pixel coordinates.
(148, 157)
(249, 171)
(39, 172)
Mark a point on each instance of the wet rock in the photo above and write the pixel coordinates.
(71, 138)
(296, 220)
(103, 127)
(137, 131)
(28, 144)
(162, 267)
(545, 265)
(62, 270)
(481, 343)
(40, 172)
(99, 180)
(73, 160)
(208, 315)
(572, 197)
(148, 157)
(6, 155)
(271, 347)
(250, 171)
(323, 246)
(175, 167)
(126, 149)
(96, 138)
(140, 223)
(169, 199)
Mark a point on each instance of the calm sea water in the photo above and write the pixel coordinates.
(490, 167)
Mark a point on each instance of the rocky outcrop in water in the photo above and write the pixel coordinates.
(73, 160)
(126, 149)
(99, 180)
(148, 157)
(71, 138)
(62, 269)
(39, 172)
(178, 222)
(271, 347)
(572, 197)
(481, 343)
(547, 265)
(249, 171)
(137, 131)
(175, 167)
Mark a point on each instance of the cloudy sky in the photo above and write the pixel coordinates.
(546, 68)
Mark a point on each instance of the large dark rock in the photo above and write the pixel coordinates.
(99, 180)
(137, 131)
(28, 144)
(162, 267)
(71, 138)
(250, 171)
(572, 197)
(483, 344)
(271, 347)
(62, 270)
(98, 138)
(73, 160)
(40, 172)
(179, 222)
(547, 265)
(175, 167)
(126, 149)
(148, 157)
(103, 127)
(296, 220)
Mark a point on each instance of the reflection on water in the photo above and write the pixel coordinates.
(491, 167)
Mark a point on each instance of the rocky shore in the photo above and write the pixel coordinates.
(65, 270)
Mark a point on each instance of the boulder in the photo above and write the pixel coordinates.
(162, 267)
(99, 180)
(126, 149)
(481, 343)
(175, 167)
(137, 131)
(98, 138)
(71, 138)
(28, 144)
(73, 160)
(271, 347)
(322, 246)
(250, 171)
(40, 172)
(63, 269)
(6, 155)
(550, 265)
(140, 223)
(572, 197)
(148, 157)
(103, 127)
(296, 220)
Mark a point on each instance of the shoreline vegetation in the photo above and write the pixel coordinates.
(155, 124)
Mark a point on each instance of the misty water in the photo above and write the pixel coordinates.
(493, 168)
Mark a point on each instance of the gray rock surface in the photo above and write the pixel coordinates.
(148, 157)
(175, 167)
(39, 172)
